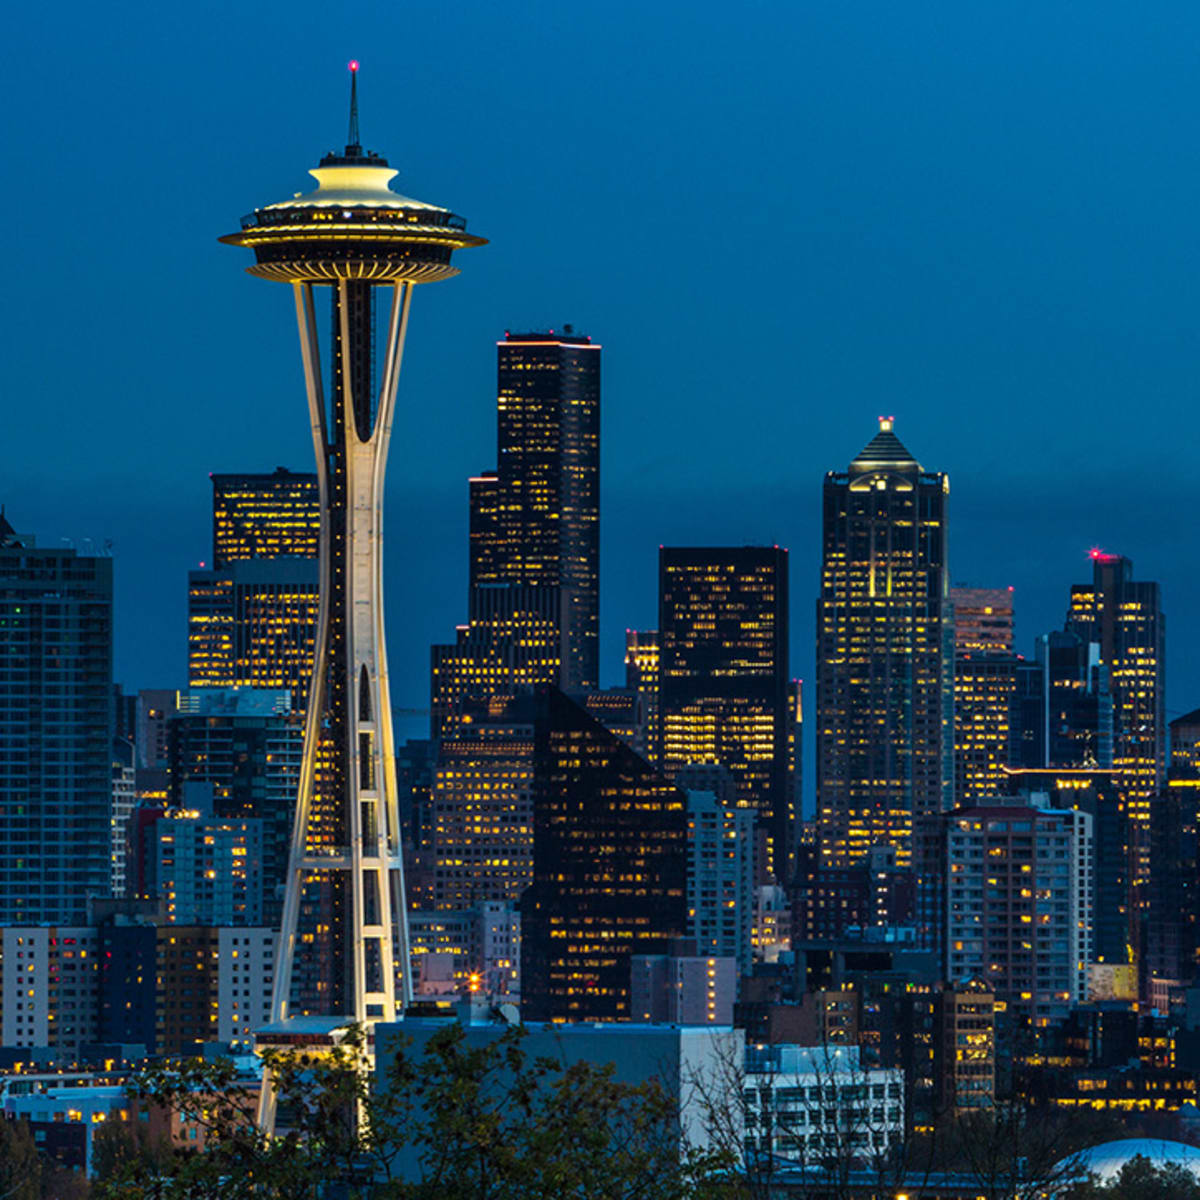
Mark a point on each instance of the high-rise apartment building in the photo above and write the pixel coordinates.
(1095, 791)
(209, 870)
(885, 664)
(609, 867)
(985, 683)
(56, 730)
(536, 519)
(1124, 617)
(723, 676)
(1019, 905)
(720, 878)
(124, 798)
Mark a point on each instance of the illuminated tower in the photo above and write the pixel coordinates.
(1123, 618)
(535, 520)
(357, 237)
(985, 683)
(884, 663)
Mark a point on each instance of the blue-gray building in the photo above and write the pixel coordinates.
(56, 730)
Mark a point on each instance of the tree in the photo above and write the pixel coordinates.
(1013, 1152)
(459, 1121)
(20, 1166)
(1139, 1179)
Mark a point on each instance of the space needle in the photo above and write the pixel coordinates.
(370, 246)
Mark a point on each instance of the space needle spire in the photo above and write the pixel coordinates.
(343, 949)
(353, 145)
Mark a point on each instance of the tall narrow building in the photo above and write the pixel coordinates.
(536, 518)
(724, 680)
(985, 685)
(56, 731)
(1124, 618)
(884, 663)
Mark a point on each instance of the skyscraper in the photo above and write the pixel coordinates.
(56, 730)
(253, 624)
(483, 808)
(884, 662)
(252, 614)
(536, 519)
(985, 682)
(265, 516)
(609, 867)
(1076, 701)
(723, 676)
(514, 638)
(354, 235)
(1124, 617)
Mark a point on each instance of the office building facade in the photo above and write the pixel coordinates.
(985, 684)
(884, 712)
(723, 677)
(1124, 618)
(535, 520)
(609, 867)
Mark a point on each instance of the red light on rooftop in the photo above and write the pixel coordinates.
(353, 64)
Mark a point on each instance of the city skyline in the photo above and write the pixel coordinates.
(1015, 389)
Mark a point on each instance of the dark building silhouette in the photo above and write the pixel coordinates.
(1076, 701)
(536, 518)
(1173, 892)
(723, 677)
(56, 730)
(609, 866)
(885, 664)
(1029, 714)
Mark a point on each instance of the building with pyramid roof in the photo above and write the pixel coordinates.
(884, 663)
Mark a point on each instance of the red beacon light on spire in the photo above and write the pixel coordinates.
(353, 64)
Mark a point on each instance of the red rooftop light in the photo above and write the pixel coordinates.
(353, 64)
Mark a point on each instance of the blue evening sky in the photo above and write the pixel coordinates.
(780, 220)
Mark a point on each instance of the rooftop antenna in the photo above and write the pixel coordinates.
(353, 146)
